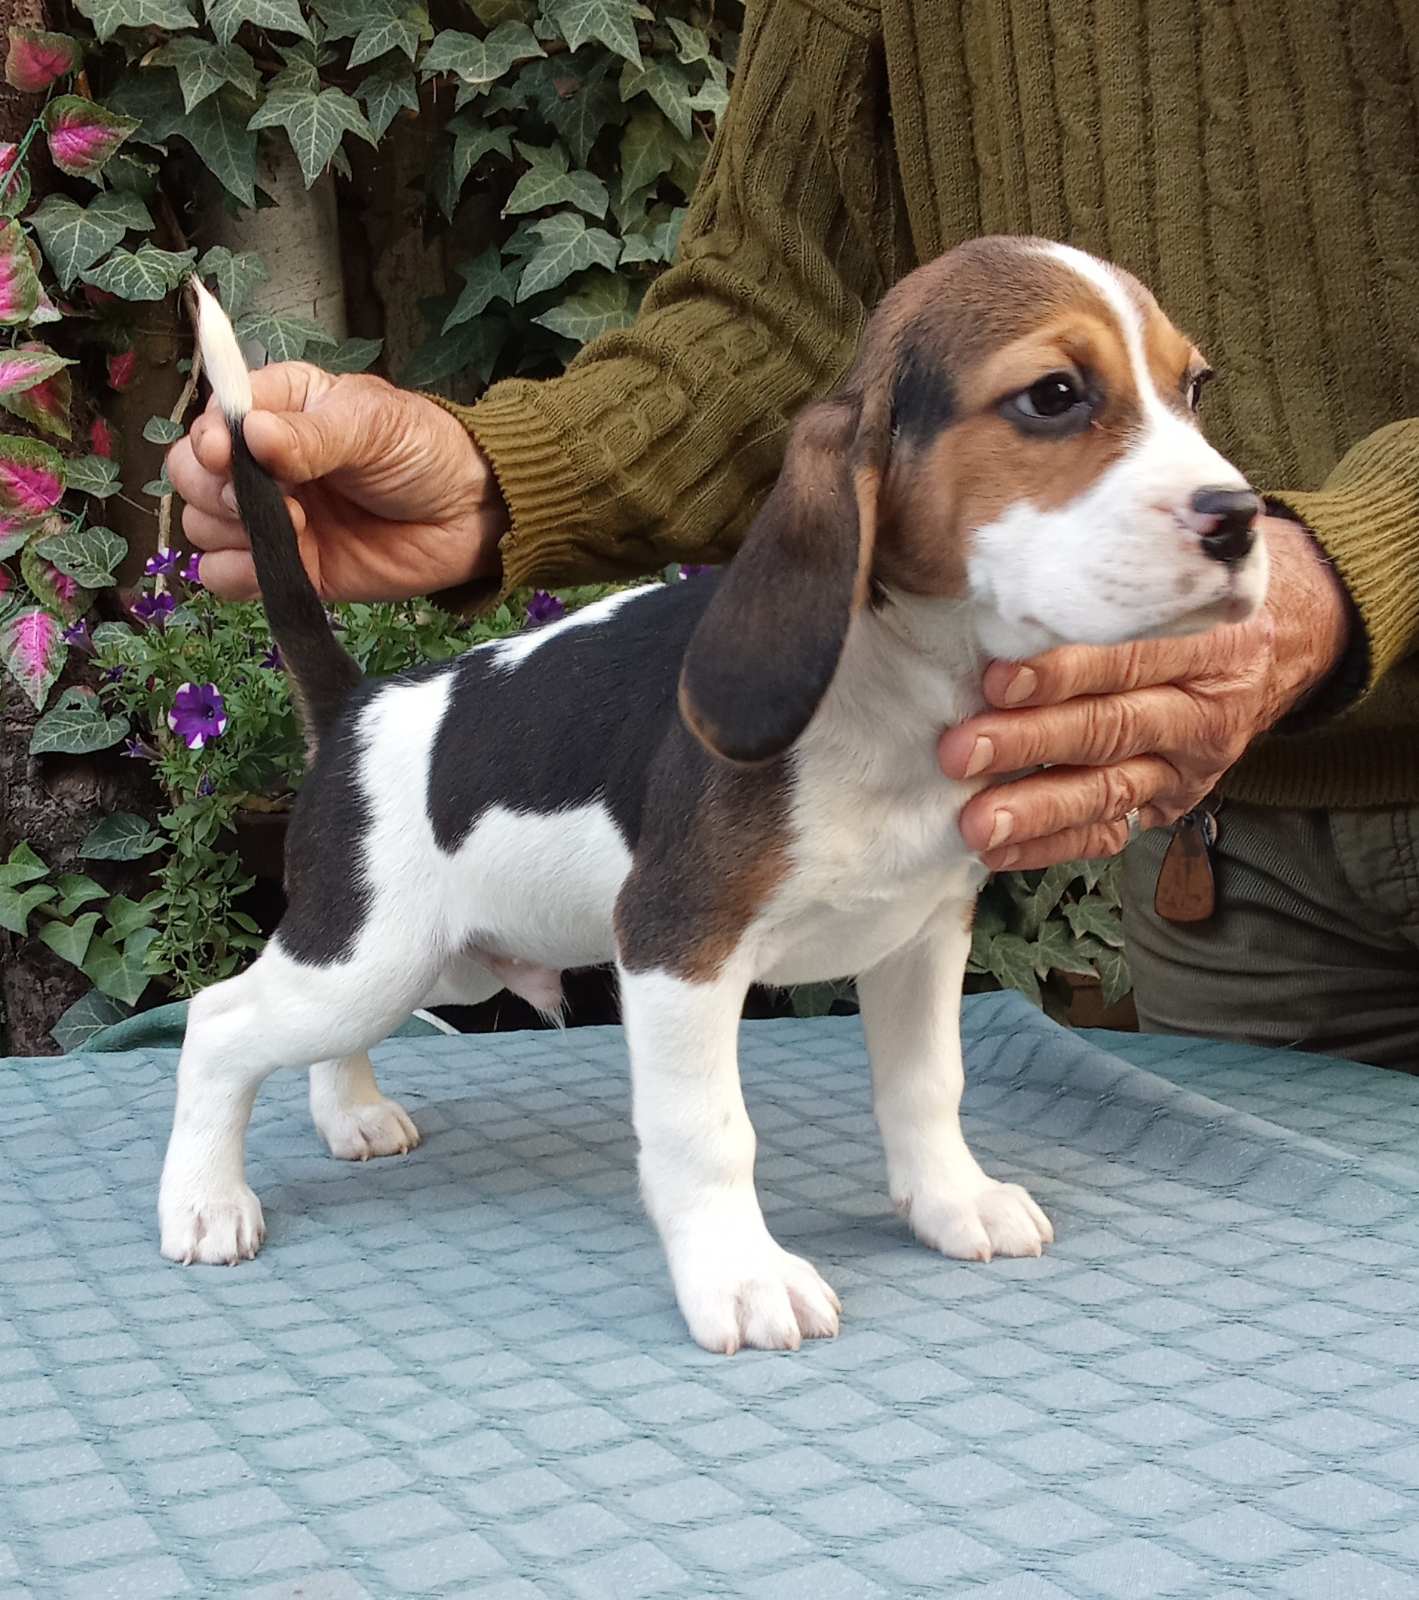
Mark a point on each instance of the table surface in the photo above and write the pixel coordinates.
(462, 1373)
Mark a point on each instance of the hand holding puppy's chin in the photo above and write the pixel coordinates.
(389, 494)
(1150, 727)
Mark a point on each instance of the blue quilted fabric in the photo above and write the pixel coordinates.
(461, 1372)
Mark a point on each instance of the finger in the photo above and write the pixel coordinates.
(195, 484)
(1096, 731)
(223, 532)
(229, 574)
(1096, 842)
(299, 446)
(287, 386)
(1070, 797)
(1076, 670)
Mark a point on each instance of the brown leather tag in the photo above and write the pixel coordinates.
(1187, 889)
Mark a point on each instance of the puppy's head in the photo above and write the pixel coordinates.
(1019, 431)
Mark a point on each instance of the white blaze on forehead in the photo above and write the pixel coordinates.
(1103, 279)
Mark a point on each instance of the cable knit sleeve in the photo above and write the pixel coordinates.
(1366, 519)
(658, 440)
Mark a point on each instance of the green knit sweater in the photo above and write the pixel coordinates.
(1256, 162)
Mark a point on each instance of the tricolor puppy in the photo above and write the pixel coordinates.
(732, 780)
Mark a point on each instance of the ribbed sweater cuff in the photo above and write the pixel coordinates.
(1366, 518)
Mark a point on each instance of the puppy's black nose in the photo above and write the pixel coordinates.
(1231, 514)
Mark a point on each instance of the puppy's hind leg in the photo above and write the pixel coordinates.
(355, 1120)
(279, 1013)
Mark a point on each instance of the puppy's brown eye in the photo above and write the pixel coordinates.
(1196, 383)
(1054, 404)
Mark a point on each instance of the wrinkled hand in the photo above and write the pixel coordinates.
(389, 495)
(1149, 726)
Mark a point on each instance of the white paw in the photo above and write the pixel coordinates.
(760, 1296)
(977, 1221)
(216, 1230)
(357, 1132)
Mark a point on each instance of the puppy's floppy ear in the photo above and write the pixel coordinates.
(765, 650)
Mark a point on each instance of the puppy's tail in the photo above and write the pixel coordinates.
(322, 674)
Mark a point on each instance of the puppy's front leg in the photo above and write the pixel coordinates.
(911, 1013)
(734, 1283)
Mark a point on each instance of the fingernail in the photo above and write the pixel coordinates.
(1006, 861)
(982, 755)
(1004, 827)
(229, 499)
(1021, 686)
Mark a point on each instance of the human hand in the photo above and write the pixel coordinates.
(1148, 727)
(389, 495)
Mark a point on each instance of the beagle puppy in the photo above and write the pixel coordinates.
(732, 780)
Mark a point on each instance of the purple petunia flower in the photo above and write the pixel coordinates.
(161, 564)
(689, 570)
(77, 633)
(206, 786)
(544, 607)
(139, 750)
(197, 714)
(113, 674)
(272, 659)
(191, 569)
(154, 608)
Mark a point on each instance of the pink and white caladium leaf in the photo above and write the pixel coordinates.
(45, 309)
(31, 477)
(19, 284)
(16, 532)
(56, 591)
(33, 651)
(35, 385)
(37, 59)
(122, 370)
(14, 181)
(83, 135)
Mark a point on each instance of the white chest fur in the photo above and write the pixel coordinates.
(876, 842)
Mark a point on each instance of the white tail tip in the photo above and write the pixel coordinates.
(221, 354)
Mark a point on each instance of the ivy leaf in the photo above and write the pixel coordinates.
(470, 347)
(711, 97)
(83, 135)
(19, 283)
(567, 246)
(32, 651)
(351, 355)
(1093, 916)
(76, 726)
(24, 866)
(37, 59)
(282, 338)
(236, 275)
(479, 62)
(218, 131)
(108, 16)
(202, 68)
(144, 274)
(1057, 950)
(485, 279)
(95, 475)
(75, 236)
(471, 142)
(32, 477)
(70, 940)
(120, 837)
(89, 1014)
(602, 303)
(548, 183)
(608, 22)
(387, 91)
(120, 974)
(1010, 960)
(656, 243)
(1115, 976)
(694, 44)
(315, 123)
(16, 905)
(402, 28)
(76, 889)
(126, 916)
(270, 16)
(492, 12)
(162, 430)
(88, 554)
(668, 85)
(580, 113)
(648, 150)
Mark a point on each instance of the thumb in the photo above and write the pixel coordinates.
(299, 446)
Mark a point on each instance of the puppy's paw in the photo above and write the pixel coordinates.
(357, 1132)
(976, 1221)
(215, 1230)
(762, 1297)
